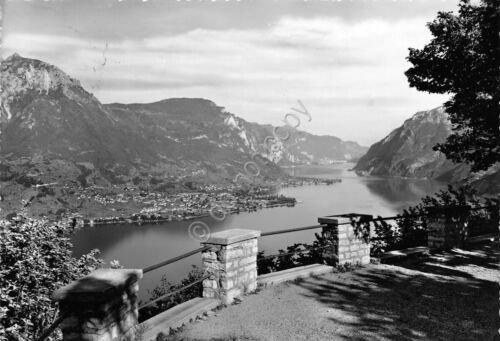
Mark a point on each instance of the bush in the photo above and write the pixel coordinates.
(411, 227)
(35, 260)
(165, 287)
(298, 254)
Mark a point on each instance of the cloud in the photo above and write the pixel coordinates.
(349, 74)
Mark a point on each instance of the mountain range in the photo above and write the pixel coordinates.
(54, 131)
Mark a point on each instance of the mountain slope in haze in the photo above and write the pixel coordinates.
(407, 150)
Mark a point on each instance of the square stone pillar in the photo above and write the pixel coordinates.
(489, 224)
(232, 264)
(446, 227)
(101, 306)
(495, 216)
(347, 245)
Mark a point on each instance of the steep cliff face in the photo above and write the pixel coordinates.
(407, 150)
(299, 147)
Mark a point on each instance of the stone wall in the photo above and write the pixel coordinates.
(487, 223)
(449, 227)
(445, 229)
(232, 264)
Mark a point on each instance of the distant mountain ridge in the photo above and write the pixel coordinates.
(52, 129)
(407, 152)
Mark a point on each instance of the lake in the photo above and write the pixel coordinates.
(140, 246)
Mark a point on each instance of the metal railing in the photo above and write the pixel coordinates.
(174, 259)
(170, 261)
(364, 221)
(158, 299)
(306, 250)
(270, 233)
(51, 328)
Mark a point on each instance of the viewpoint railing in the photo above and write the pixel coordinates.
(178, 290)
(105, 302)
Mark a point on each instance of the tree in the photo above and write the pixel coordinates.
(35, 260)
(463, 59)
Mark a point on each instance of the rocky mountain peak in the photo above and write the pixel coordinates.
(22, 78)
(436, 116)
(407, 151)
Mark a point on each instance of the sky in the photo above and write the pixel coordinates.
(344, 60)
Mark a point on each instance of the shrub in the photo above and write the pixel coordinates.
(411, 227)
(295, 255)
(35, 260)
(165, 287)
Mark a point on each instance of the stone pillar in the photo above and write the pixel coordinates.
(446, 227)
(101, 306)
(495, 215)
(329, 233)
(492, 223)
(347, 245)
(232, 264)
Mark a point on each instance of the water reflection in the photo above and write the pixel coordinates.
(400, 193)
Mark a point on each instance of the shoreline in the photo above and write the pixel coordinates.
(193, 210)
(146, 218)
(138, 220)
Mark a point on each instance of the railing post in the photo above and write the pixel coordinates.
(330, 254)
(446, 228)
(232, 264)
(101, 306)
(347, 246)
(486, 224)
(494, 215)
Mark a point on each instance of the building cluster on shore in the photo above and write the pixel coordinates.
(301, 181)
(151, 206)
(187, 205)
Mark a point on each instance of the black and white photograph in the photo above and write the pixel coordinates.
(249, 170)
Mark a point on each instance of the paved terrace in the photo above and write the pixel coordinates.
(448, 296)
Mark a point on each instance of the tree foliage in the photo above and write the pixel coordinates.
(35, 260)
(463, 59)
(411, 228)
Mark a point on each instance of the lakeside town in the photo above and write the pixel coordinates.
(132, 204)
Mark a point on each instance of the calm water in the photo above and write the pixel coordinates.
(139, 246)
